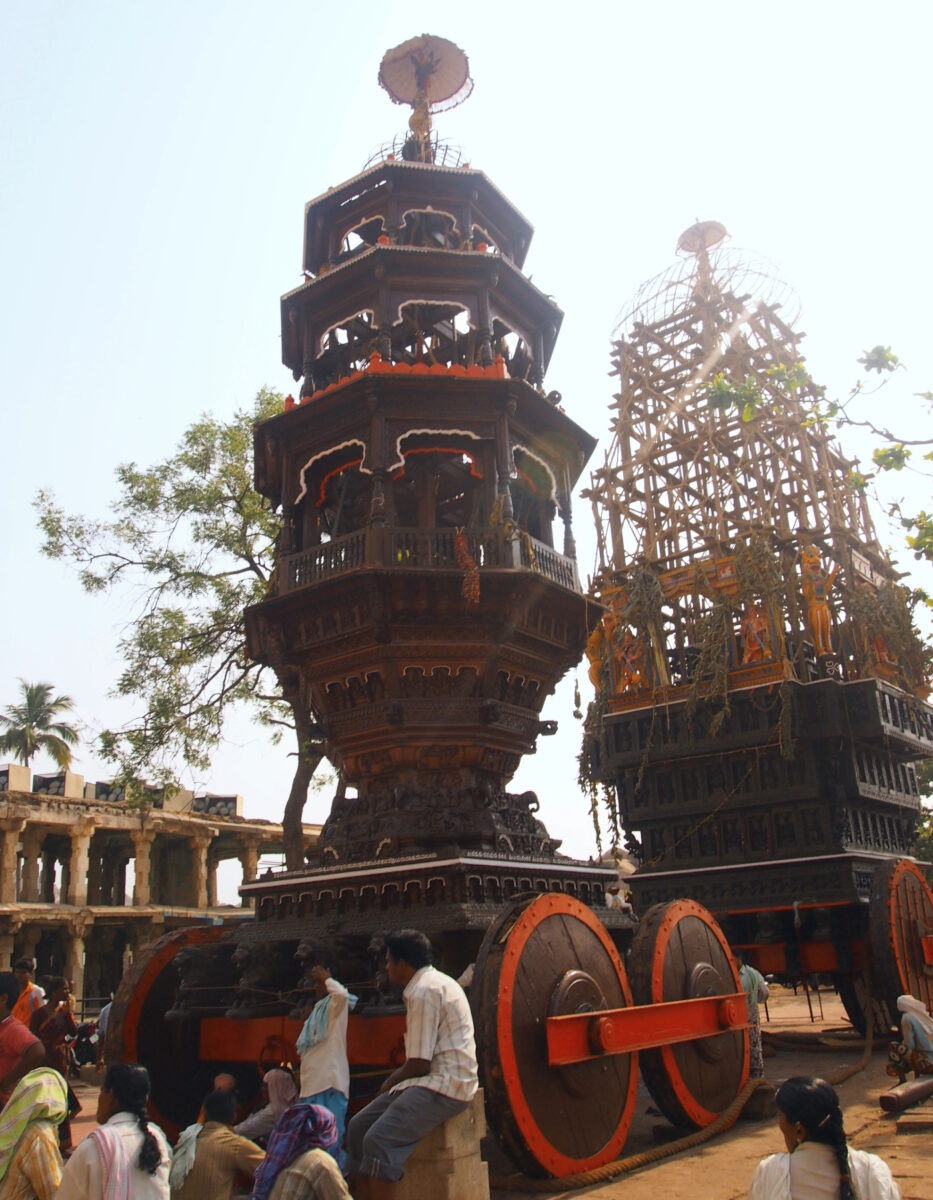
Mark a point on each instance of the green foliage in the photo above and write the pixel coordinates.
(921, 539)
(750, 397)
(197, 541)
(892, 454)
(879, 359)
(746, 396)
(891, 458)
(32, 726)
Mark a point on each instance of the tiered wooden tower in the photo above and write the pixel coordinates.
(421, 608)
(760, 690)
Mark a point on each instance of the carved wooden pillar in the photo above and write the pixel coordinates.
(504, 463)
(142, 842)
(81, 836)
(11, 827)
(377, 504)
(570, 546)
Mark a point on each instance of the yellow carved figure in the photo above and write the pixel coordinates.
(594, 654)
(816, 585)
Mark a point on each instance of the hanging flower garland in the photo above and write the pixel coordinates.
(467, 564)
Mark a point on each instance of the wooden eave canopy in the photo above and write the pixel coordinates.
(458, 403)
(410, 275)
(414, 186)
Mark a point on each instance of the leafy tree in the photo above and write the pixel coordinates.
(32, 726)
(197, 539)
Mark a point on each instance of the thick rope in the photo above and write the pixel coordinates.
(724, 1121)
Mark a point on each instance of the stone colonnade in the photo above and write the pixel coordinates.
(65, 893)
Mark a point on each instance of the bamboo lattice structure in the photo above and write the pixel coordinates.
(714, 449)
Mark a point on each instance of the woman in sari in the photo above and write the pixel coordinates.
(53, 1024)
(30, 1161)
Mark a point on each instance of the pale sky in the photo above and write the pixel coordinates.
(156, 159)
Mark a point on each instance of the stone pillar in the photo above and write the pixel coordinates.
(119, 881)
(78, 864)
(49, 861)
(211, 880)
(32, 849)
(11, 828)
(200, 844)
(142, 841)
(74, 951)
(11, 927)
(65, 883)
(249, 861)
(95, 873)
(28, 940)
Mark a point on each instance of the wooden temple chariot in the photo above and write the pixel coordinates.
(761, 694)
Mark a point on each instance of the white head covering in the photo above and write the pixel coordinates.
(918, 1012)
(281, 1088)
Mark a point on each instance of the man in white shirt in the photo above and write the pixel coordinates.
(436, 1081)
(322, 1045)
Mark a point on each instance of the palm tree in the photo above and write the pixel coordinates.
(31, 726)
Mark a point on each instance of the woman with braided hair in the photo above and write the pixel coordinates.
(819, 1163)
(126, 1157)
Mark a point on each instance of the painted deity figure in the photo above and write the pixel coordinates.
(816, 585)
(629, 661)
(756, 636)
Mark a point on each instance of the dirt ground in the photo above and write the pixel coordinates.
(722, 1168)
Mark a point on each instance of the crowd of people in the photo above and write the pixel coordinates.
(297, 1144)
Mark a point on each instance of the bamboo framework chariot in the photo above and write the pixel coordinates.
(715, 453)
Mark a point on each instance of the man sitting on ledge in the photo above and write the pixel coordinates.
(436, 1081)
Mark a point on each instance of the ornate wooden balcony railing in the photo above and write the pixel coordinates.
(420, 550)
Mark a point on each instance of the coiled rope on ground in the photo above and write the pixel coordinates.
(724, 1121)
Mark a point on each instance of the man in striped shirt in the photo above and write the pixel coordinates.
(436, 1081)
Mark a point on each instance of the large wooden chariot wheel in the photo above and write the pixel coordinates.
(138, 1031)
(901, 934)
(680, 953)
(551, 956)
